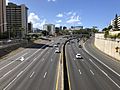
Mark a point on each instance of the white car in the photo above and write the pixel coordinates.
(22, 59)
(57, 51)
(55, 45)
(78, 56)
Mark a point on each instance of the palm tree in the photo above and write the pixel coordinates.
(13, 30)
(21, 30)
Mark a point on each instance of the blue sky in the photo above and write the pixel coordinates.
(68, 13)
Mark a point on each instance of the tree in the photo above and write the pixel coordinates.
(110, 27)
(21, 30)
(106, 34)
(94, 29)
(57, 30)
(13, 30)
(64, 28)
(45, 33)
(105, 29)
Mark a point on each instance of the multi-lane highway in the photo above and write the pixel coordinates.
(94, 71)
(38, 70)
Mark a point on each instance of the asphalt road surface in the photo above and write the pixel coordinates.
(94, 71)
(38, 70)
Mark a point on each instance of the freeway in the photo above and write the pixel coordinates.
(37, 72)
(90, 72)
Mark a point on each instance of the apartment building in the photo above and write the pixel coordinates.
(113, 23)
(17, 19)
(30, 27)
(50, 28)
(2, 16)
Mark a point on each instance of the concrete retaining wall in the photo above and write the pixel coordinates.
(107, 46)
(8, 49)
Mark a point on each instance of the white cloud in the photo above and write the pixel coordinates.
(59, 21)
(74, 19)
(37, 22)
(57, 25)
(7, 1)
(51, 0)
(69, 13)
(59, 15)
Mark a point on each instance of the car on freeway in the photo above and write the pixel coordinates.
(58, 43)
(55, 45)
(22, 59)
(80, 46)
(57, 50)
(78, 56)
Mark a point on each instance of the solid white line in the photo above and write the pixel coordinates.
(92, 72)
(19, 73)
(51, 60)
(106, 74)
(102, 62)
(16, 55)
(79, 71)
(20, 64)
(23, 70)
(32, 74)
(10, 83)
(11, 62)
(45, 74)
(22, 55)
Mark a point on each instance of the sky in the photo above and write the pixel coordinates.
(69, 13)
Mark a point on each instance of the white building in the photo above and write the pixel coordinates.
(113, 23)
(50, 28)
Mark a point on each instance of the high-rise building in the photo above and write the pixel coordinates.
(2, 16)
(50, 28)
(30, 27)
(17, 19)
(113, 23)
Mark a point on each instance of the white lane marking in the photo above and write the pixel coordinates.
(32, 74)
(106, 74)
(10, 83)
(90, 60)
(79, 71)
(21, 64)
(21, 56)
(22, 71)
(34, 59)
(102, 63)
(16, 55)
(74, 59)
(19, 73)
(82, 60)
(11, 62)
(51, 60)
(45, 74)
(92, 72)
